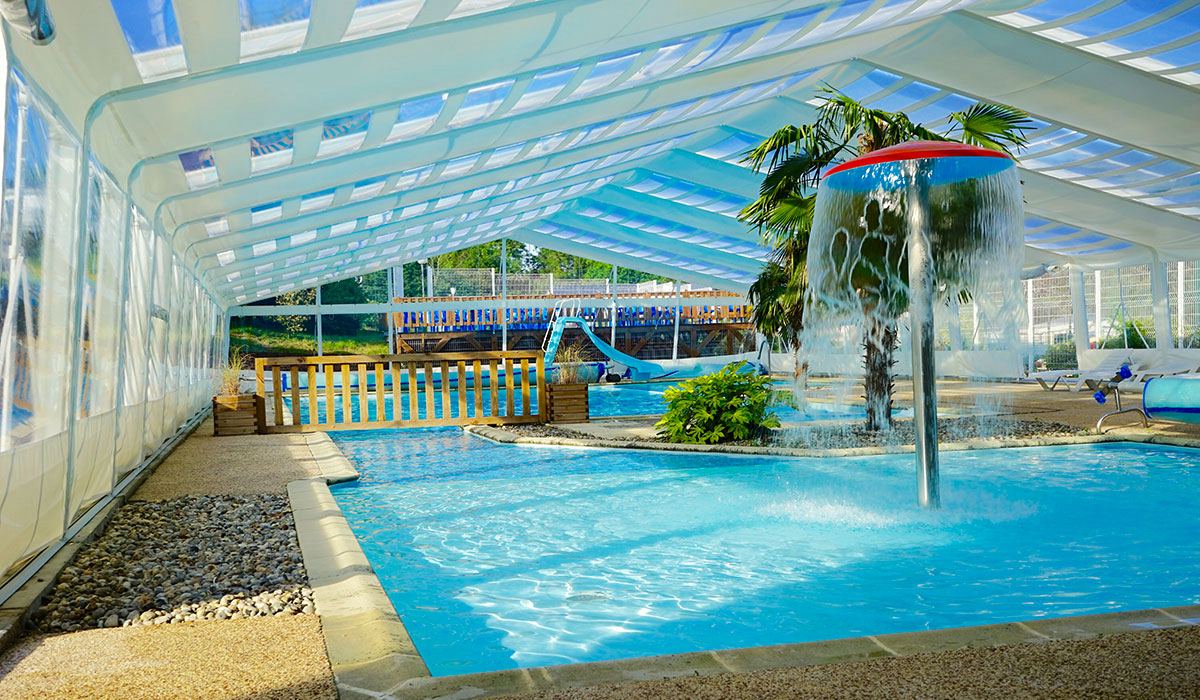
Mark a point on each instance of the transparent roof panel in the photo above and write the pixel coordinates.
(272, 27)
(416, 117)
(343, 134)
(271, 151)
(152, 34)
(480, 103)
(372, 17)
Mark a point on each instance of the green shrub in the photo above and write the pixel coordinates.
(722, 406)
(1138, 334)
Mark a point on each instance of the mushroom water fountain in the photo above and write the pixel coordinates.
(902, 229)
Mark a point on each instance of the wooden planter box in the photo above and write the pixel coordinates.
(568, 403)
(237, 414)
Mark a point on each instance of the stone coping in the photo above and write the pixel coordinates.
(504, 436)
(373, 656)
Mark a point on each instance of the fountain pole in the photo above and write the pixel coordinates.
(920, 309)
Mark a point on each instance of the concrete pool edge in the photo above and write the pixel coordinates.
(373, 656)
(500, 435)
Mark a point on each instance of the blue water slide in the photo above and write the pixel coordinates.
(640, 369)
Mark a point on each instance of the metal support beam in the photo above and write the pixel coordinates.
(1079, 312)
(320, 338)
(920, 309)
(504, 293)
(612, 332)
(1164, 339)
(675, 340)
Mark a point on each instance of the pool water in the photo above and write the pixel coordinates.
(603, 400)
(512, 556)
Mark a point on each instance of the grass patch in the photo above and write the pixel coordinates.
(266, 342)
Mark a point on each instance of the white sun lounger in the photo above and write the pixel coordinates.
(1074, 379)
(1145, 374)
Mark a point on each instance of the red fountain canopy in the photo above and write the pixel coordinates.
(914, 150)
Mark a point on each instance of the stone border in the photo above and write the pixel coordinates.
(16, 609)
(500, 435)
(373, 657)
(364, 637)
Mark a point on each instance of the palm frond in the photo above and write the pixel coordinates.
(997, 127)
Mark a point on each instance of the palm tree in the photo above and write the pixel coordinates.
(777, 298)
(795, 158)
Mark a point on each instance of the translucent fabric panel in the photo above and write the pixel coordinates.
(131, 428)
(39, 240)
(99, 340)
(159, 322)
(38, 237)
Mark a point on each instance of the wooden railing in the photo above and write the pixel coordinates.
(356, 392)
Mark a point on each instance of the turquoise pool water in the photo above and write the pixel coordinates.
(507, 556)
(603, 400)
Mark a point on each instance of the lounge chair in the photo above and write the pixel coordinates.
(1054, 376)
(1145, 374)
(1075, 379)
(1104, 371)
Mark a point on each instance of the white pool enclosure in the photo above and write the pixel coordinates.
(167, 161)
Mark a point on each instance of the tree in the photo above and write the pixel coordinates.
(796, 157)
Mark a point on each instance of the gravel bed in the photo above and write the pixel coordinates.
(854, 434)
(181, 560)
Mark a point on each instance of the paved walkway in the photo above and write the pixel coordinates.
(1158, 664)
(264, 658)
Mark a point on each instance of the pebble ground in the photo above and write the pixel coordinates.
(182, 560)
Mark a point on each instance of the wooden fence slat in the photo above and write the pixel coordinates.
(346, 412)
(330, 401)
(380, 414)
(397, 407)
(462, 389)
(430, 414)
(511, 409)
(493, 383)
(413, 408)
(478, 385)
(313, 418)
(295, 377)
(277, 394)
(525, 409)
(445, 370)
(362, 393)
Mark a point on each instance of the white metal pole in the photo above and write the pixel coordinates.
(1029, 311)
(1180, 269)
(504, 293)
(1099, 319)
(493, 271)
(1079, 311)
(391, 322)
(675, 341)
(320, 339)
(612, 334)
(1159, 296)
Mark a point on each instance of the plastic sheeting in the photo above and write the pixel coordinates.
(106, 341)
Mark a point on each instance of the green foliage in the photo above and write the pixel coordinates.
(347, 291)
(296, 324)
(1139, 335)
(726, 405)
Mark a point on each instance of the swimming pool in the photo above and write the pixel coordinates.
(512, 556)
(641, 399)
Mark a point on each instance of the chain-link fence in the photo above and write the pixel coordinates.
(481, 282)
